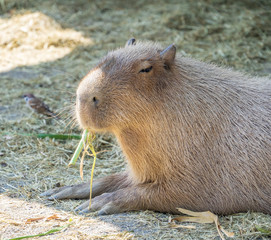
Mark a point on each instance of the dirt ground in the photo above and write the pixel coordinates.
(46, 47)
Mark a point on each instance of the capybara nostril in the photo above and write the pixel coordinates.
(95, 101)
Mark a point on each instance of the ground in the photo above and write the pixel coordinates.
(46, 47)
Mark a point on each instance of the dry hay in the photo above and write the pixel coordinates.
(47, 46)
(35, 34)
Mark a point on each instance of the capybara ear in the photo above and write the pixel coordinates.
(130, 42)
(168, 54)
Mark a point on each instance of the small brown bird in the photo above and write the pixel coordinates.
(38, 106)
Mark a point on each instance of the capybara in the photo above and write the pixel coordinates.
(195, 135)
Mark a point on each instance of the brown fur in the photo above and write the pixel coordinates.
(195, 135)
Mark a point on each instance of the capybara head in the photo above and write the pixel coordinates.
(124, 85)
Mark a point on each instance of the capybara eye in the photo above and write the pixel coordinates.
(146, 69)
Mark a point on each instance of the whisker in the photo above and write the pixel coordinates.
(74, 123)
(68, 118)
(63, 110)
(70, 122)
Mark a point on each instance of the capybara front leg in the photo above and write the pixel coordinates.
(106, 184)
(138, 197)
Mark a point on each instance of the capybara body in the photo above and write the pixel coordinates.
(195, 135)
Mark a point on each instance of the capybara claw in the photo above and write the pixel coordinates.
(85, 211)
(82, 207)
(44, 194)
(108, 209)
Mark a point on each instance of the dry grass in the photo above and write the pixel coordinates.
(47, 46)
(36, 35)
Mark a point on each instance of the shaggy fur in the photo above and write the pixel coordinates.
(195, 135)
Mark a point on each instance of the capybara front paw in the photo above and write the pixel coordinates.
(104, 204)
(54, 192)
(79, 191)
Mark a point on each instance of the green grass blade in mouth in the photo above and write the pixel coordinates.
(79, 148)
